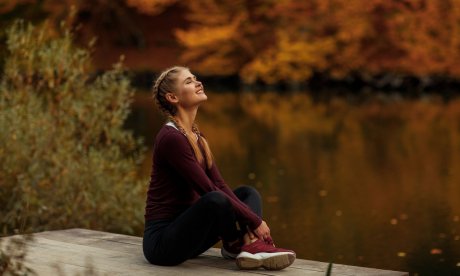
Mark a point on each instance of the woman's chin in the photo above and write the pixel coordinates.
(203, 97)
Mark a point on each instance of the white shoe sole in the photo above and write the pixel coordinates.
(269, 261)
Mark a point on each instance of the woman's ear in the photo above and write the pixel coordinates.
(171, 97)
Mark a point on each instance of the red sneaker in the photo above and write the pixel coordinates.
(264, 254)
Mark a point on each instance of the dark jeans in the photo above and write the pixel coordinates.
(211, 218)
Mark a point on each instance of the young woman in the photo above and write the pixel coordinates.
(189, 206)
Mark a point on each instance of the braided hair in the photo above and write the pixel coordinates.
(166, 83)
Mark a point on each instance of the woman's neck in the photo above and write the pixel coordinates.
(186, 119)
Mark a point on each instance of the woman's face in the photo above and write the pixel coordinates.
(190, 91)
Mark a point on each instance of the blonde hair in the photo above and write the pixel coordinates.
(167, 82)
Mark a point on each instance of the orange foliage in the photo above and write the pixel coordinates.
(289, 40)
(225, 35)
(293, 39)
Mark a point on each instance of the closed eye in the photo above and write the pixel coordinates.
(189, 80)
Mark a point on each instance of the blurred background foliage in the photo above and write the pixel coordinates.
(268, 41)
(66, 159)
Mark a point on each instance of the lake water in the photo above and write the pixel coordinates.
(373, 182)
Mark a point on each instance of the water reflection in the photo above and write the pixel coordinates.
(373, 184)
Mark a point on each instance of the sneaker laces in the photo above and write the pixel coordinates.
(269, 241)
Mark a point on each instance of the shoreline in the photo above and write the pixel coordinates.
(320, 86)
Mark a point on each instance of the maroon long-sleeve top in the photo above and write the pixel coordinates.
(178, 180)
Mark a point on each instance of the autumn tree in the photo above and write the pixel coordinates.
(289, 40)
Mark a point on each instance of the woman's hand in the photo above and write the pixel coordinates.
(263, 232)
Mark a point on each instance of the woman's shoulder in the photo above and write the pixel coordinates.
(169, 133)
(171, 143)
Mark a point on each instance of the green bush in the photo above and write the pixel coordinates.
(66, 160)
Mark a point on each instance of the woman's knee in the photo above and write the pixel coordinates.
(246, 191)
(217, 200)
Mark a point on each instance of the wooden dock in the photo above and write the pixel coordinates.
(88, 252)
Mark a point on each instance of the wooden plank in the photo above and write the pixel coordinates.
(95, 237)
(74, 250)
(110, 242)
(73, 259)
(77, 258)
(119, 262)
(84, 234)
